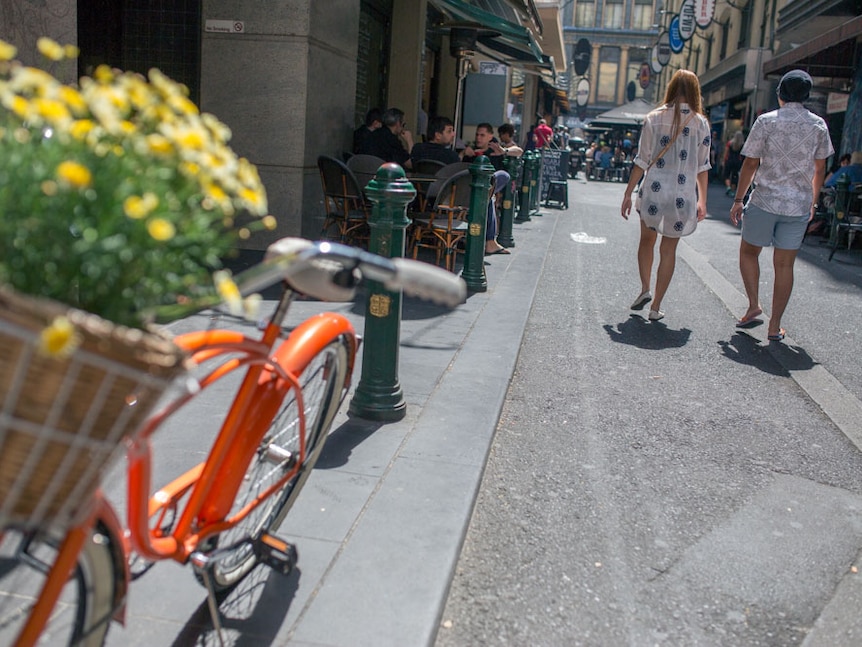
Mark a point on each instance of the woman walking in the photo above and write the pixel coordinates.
(733, 161)
(673, 160)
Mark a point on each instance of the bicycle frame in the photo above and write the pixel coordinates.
(267, 381)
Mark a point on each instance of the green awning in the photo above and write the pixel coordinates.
(513, 34)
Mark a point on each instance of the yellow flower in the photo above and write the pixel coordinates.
(269, 223)
(159, 144)
(228, 291)
(161, 229)
(103, 74)
(7, 51)
(81, 128)
(137, 207)
(255, 200)
(76, 174)
(71, 51)
(72, 98)
(52, 110)
(20, 106)
(50, 49)
(60, 339)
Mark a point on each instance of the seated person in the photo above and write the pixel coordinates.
(506, 133)
(852, 171)
(441, 133)
(392, 142)
(843, 161)
(487, 145)
(373, 121)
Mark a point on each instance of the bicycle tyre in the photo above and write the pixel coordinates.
(322, 380)
(83, 613)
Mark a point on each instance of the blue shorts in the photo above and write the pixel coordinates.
(764, 229)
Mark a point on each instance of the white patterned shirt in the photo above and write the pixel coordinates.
(668, 195)
(787, 141)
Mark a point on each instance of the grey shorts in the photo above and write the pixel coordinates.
(764, 229)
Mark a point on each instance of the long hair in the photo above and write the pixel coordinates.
(684, 87)
(737, 141)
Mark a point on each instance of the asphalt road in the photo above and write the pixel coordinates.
(670, 483)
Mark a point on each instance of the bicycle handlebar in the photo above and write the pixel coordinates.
(331, 271)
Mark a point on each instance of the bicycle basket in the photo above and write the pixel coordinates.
(62, 420)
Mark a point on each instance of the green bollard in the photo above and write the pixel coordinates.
(473, 272)
(536, 183)
(524, 193)
(842, 201)
(378, 395)
(507, 213)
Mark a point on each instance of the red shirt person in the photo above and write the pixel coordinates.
(543, 133)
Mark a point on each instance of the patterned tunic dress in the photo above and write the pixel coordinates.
(667, 199)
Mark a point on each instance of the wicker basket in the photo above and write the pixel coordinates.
(63, 420)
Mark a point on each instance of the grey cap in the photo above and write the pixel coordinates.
(795, 86)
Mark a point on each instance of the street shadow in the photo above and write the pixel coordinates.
(649, 335)
(774, 358)
(743, 349)
(342, 440)
(251, 614)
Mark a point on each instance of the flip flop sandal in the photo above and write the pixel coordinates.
(780, 335)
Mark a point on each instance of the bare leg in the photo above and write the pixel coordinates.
(666, 266)
(749, 268)
(646, 248)
(782, 260)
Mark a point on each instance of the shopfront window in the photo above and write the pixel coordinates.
(585, 13)
(612, 14)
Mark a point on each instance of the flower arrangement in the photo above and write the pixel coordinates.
(117, 196)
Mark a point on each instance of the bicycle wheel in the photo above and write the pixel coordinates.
(82, 614)
(322, 383)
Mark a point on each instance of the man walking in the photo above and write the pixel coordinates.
(786, 151)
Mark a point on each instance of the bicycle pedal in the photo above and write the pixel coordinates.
(276, 553)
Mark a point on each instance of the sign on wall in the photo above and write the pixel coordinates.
(704, 11)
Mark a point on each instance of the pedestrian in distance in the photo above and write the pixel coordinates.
(673, 161)
(785, 155)
(733, 161)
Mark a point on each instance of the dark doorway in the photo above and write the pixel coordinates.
(134, 35)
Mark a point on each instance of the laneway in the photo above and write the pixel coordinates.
(671, 483)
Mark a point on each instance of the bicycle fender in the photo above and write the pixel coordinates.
(311, 337)
(109, 524)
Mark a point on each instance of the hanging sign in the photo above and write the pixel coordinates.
(687, 21)
(704, 10)
(664, 49)
(654, 62)
(676, 41)
(582, 94)
(583, 53)
(644, 75)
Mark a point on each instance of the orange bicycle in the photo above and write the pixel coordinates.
(221, 514)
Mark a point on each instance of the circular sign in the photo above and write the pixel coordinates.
(644, 75)
(654, 62)
(664, 49)
(687, 22)
(583, 53)
(704, 10)
(676, 41)
(582, 94)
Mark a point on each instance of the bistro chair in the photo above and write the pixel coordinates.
(346, 208)
(427, 167)
(365, 167)
(444, 226)
(849, 222)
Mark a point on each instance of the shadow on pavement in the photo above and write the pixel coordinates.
(775, 359)
(341, 441)
(649, 335)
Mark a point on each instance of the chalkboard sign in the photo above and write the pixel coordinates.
(555, 166)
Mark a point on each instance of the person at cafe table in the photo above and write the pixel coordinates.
(441, 133)
(393, 142)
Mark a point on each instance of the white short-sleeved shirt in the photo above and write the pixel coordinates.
(787, 141)
(668, 194)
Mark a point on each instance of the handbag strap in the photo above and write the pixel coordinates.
(670, 143)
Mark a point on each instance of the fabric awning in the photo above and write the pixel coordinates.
(628, 114)
(512, 34)
(831, 54)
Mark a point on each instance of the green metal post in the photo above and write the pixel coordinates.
(474, 253)
(842, 202)
(378, 395)
(507, 213)
(536, 183)
(524, 193)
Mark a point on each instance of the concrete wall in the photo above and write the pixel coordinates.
(22, 22)
(286, 87)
